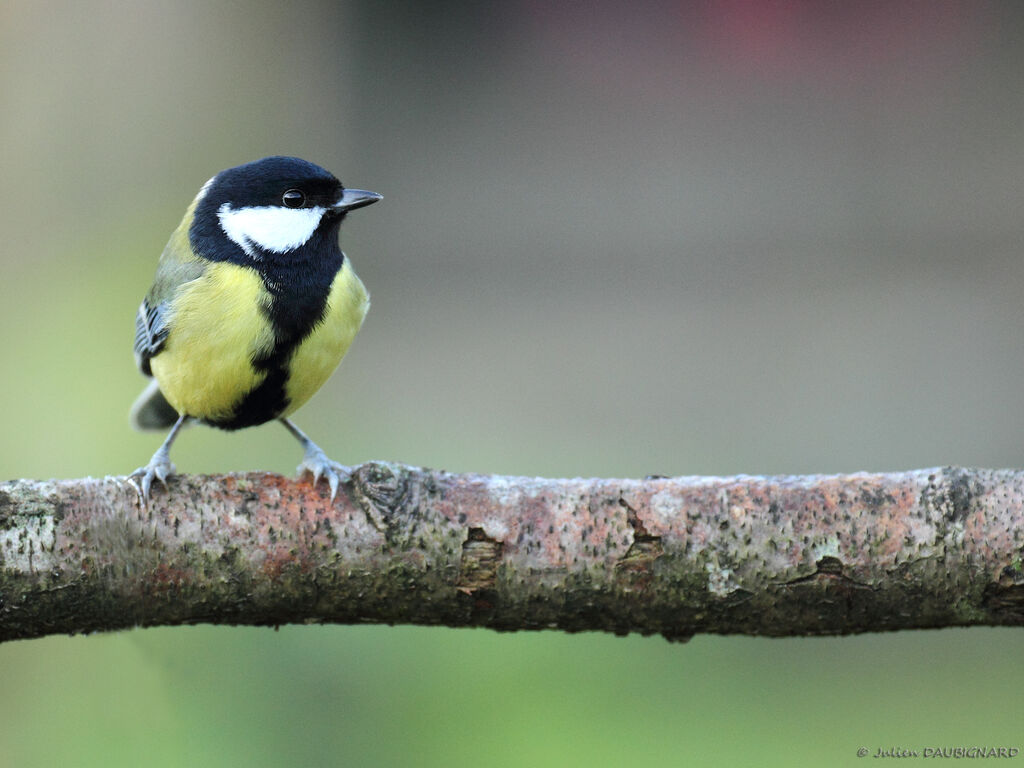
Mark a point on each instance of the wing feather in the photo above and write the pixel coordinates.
(150, 333)
(178, 266)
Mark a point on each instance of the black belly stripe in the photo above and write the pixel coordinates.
(264, 403)
(269, 399)
(298, 304)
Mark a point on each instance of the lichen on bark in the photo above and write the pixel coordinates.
(675, 556)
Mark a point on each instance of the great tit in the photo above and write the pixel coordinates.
(253, 306)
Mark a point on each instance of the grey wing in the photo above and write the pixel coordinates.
(150, 333)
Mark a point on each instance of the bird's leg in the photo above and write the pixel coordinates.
(315, 461)
(160, 466)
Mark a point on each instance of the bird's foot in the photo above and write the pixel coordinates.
(319, 466)
(159, 468)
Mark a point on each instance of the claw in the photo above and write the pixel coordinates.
(322, 468)
(315, 462)
(159, 468)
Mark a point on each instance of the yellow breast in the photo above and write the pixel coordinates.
(319, 353)
(217, 325)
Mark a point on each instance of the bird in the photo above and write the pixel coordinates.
(253, 306)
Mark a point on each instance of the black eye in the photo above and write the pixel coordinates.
(293, 198)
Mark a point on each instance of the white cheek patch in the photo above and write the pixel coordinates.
(270, 227)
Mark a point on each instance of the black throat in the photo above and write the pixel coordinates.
(298, 284)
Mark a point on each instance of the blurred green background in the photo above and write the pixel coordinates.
(615, 240)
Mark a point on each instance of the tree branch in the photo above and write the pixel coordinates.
(755, 555)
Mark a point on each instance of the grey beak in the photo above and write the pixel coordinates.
(355, 198)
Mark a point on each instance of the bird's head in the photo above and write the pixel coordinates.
(270, 207)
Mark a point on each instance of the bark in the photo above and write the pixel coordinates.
(754, 555)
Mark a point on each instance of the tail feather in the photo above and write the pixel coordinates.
(151, 410)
